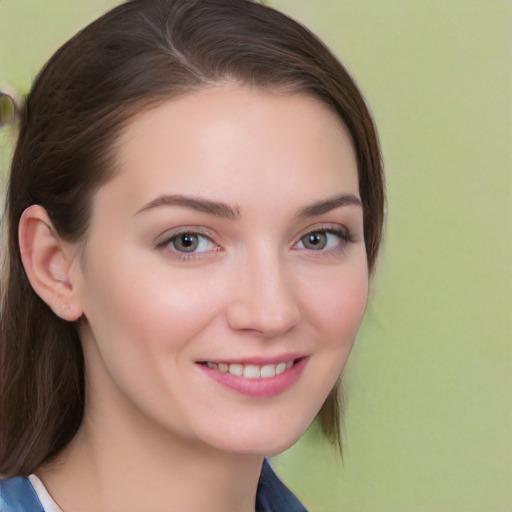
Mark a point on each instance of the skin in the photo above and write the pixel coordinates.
(157, 429)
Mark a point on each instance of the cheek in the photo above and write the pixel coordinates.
(171, 308)
(336, 308)
(141, 326)
(335, 312)
(139, 302)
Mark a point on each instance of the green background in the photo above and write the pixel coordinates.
(428, 410)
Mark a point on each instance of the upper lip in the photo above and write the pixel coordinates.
(259, 360)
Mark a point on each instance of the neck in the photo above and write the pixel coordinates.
(117, 465)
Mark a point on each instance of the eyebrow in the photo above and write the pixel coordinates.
(224, 210)
(326, 205)
(217, 208)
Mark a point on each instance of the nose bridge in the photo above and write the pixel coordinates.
(265, 300)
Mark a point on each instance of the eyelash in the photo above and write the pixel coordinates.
(344, 235)
(169, 239)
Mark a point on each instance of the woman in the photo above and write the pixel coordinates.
(194, 207)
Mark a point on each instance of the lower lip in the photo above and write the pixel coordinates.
(264, 388)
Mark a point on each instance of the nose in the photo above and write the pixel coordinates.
(264, 299)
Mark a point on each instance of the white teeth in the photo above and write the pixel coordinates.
(251, 371)
(280, 368)
(236, 369)
(269, 370)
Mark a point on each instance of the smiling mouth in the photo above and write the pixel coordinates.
(252, 371)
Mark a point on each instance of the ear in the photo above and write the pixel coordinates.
(48, 263)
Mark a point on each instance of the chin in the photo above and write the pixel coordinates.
(264, 441)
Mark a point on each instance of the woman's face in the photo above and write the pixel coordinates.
(230, 242)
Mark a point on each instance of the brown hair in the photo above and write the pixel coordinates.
(134, 57)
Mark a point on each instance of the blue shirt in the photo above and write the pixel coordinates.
(18, 495)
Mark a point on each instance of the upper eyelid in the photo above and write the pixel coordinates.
(327, 227)
(193, 230)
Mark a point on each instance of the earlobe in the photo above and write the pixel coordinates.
(48, 263)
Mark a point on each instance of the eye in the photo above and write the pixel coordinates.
(190, 243)
(324, 240)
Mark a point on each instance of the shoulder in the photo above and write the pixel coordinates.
(273, 495)
(18, 495)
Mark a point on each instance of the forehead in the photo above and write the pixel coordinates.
(236, 140)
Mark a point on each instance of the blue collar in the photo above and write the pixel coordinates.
(18, 495)
(273, 495)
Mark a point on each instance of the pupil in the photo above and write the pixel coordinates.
(315, 241)
(187, 243)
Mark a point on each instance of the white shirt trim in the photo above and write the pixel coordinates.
(44, 497)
